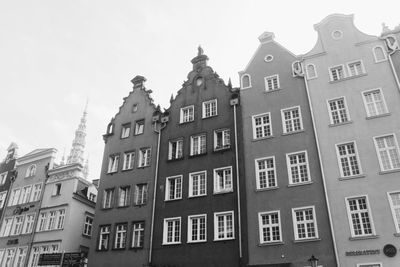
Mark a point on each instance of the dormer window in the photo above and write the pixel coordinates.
(31, 171)
(246, 81)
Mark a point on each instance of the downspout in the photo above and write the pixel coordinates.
(322, 172)
(394, 70)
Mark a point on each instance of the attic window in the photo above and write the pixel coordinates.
(337, 34)
(268, 58)
(135, 107)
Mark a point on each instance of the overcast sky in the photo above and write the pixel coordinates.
(55, 54)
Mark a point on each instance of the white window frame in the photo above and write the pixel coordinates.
(224, 213)
(19, 259)
(139, 127)
(261, 226)
(25, 194)
(191, 184)
(129, 160)
(16, 229)
(175, 149)
(262, 125)
(178, 222)
(14, 197)
(335, 67)
(31, 171)
(121, 236)
(272, 77)
(124, 193)
(241, 81)
(88, 225)
(393, 208)
(3, 178)
(27, 227)
(266, 170)
(300, 118)
(347, 156)
(338, 110)
(309, 77)
(42, 222)
(138, 234)
(191, 218)
(36, 192)
(352, 231)
(368, 264)
(204, 108)
(144, 157)
(225, 189)
(295, 225)
(375, 56)
(108, 199)
(353, 62)
(6, 257)
(202, 138)
(104, 230)
(189, 117)
(371, 91)
(141, 196)
(177, 192)
(225, 139)
(113, 162)
(379, 156)
(3, 196)
(6, 226)
(290, 174)
(125, 130)
(60, 219)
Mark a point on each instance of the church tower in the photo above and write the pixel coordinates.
(78, 144)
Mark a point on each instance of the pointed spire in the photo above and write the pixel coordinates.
(78, 144)
(230, 83)
(63, 158)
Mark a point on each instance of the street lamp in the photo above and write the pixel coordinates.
(313, 261)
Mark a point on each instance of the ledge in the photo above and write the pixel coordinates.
(271, 91)
(171, 244)
(388, 171)
(266, 189)
(169, 200)
(175, 159)
(378, 116)
(126, 170)
(198, 155)
(349, 78)
(396, 234)
(300, 184)
(355, 238)
(351, 177)
(223, 192)
(262, 138)
(307, 240)
(340, 123)
(221, 150)
(274, 243)
(294, 132)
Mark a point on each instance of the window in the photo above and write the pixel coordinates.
(138, 235)
(379, 54)
(311, 71)
(120, 236)
(31, 171)
(129, 158)
(210, 108)
(88, 226)
(113, 163)
(135, 107)
(298, 167)
(394, 200)
(198, 144)
(123, 196)
(246, 81)
(60, 219)
(222, 139)
(41, 249)
(338, 111)
(14, 197)
(291, 120)
(359, 216)
(388, 152)
(304, 223)
(265, 173)
(223, 180)
(108, 197)
(3, 178)
(223, 226)
(262, 126)
(56, 190)
(197, 228)
(28, 224)
(8, 257)
(336, 73)
(272, 83)
(374, 102)
(173, 188)
(104, 237)
(3, 196)
(125, 130)
(51, 221)
(42, 222)
(25, 194)
(20, 257)
(36, 193)
(198, 184)
(175, 149)
(187, 114)
(355, 68)
(348, 159)
(5, 229)
(92, 197)
(141, 194)
(269, 227)
(172, 231)
(17, 225)
(139, 127)
(144, 157)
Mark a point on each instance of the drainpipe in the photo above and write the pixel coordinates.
(394, 70)
(322, 171)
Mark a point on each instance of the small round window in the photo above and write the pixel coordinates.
(337, 34)
(199, 81)
(268, 58)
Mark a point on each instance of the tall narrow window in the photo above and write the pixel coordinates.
(52, 220)
(223, 180)
(141, 194)
(338, 111)
(113, 163)
(26, 194)
(272, 83)
(394, 199)
(17, 225)
(197, 228)
(298, 167)
(374, 102)
(42, 222)
(14, 197)
(222, 139)
(269, 227)
(265, 173)
(139, 127)
(311, 71)
(138, 235)
(359, 216)
(336, 73)
(348, 159)
(108, 197)
(28, 224)
(37, 190)
(379, 54)
(123, 196)
(3, 178)
(88, 225)
(209, 108)
(291, 120)
(197, 144)
(125, 130)
(198, 184)
(6, 226)
(262, 126)
(120, 236)
(246, 81)
(104, 238)
(56, 190)
(2, 198)
(20, 257)
(144, 157)
(355, 68)
(173, 188)
(305, 223)
(31, 171)
(224, 226)
(129, 158)
(60, 219)
(187, 114)
(175, 149)
(388, 152)
(8, 257)
(172, 231)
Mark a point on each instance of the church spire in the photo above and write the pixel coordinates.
(78, 144)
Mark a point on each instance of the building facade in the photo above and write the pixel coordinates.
(356, 103)
(122, 224)
(7, 174)
(198, 217)
(287, 213)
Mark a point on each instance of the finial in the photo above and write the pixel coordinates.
(63, 158)
(200, 51)
(230, 83)
(172, 98)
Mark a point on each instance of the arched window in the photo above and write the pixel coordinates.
(311, 71)
(297, 69)
(379, 54)
(31, 171)
(110, 128)
(246, 81)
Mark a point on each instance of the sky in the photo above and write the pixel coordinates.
(54, 55)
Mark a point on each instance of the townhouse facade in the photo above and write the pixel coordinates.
(7, 175)
(124, 208)
(287, 214)
(354, 99)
